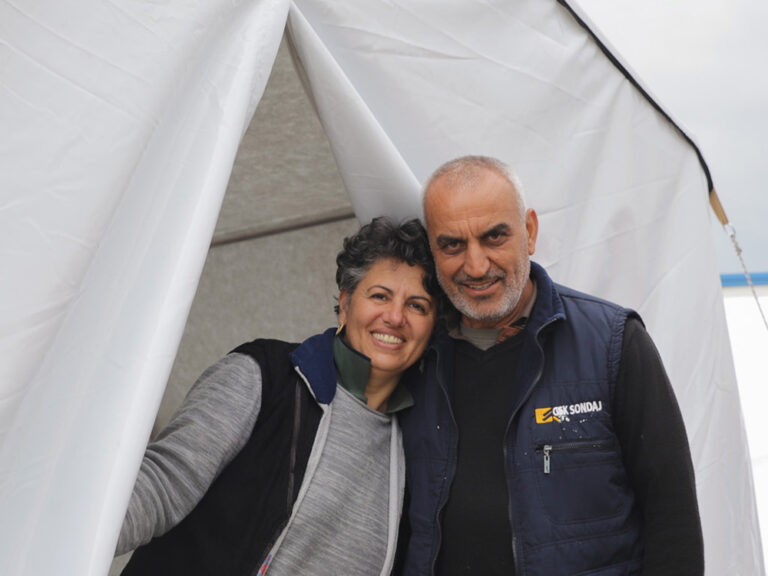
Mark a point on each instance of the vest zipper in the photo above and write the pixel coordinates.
(294, 445)
(438, 526)
(523, 400)
(547, 449)
(263, 565)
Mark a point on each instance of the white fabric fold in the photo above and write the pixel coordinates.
(120, 124)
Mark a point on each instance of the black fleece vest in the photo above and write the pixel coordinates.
(233, 527)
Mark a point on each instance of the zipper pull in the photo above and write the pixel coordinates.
(546, 450)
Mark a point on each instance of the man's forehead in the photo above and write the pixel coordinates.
(464, 226)
(484, 206)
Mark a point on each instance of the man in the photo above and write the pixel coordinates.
(547, 439)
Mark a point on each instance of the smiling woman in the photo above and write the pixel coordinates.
(321, 413)
(388, 319)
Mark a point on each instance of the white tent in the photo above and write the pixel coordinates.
(120, 122)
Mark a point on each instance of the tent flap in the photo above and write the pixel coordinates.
(121, 124)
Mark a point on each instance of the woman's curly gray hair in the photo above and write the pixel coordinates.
(406, 242)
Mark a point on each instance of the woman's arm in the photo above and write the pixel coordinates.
(209, 429)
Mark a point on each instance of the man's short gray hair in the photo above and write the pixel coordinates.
(464, 171)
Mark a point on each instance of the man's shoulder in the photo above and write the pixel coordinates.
(566, 305)
(580, 305)
(576, 308)
(548, 288)
(572, 294)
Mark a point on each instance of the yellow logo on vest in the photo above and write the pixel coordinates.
(544, 415)
(563, 413)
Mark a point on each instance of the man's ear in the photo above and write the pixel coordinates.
(532, 229)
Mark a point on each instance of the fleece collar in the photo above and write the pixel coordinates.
(314, 357)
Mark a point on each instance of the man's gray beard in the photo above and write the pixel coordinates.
(509, 299)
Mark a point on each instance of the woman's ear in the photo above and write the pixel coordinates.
(343, 305)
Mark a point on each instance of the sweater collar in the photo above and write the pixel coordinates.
(314, 358)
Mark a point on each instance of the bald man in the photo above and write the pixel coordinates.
(547, 438)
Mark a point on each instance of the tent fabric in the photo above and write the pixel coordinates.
(120, 123)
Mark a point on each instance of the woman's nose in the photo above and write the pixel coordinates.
(394, 314)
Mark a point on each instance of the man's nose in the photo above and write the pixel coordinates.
(476, 263)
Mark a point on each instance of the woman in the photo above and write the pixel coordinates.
(287, 457)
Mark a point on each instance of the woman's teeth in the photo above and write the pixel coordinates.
(387, 338)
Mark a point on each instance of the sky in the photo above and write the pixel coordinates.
(703, 62)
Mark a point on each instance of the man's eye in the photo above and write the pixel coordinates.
(379, 296)
(451, 246)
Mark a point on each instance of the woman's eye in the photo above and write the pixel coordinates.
(419, 307)
(378, 296)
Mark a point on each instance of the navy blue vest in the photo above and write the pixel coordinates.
(571, 507)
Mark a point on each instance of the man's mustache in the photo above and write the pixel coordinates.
(462, 277)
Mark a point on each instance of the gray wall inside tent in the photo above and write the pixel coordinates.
(270, 271)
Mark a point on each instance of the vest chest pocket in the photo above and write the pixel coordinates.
(546, 450)
(581, 481)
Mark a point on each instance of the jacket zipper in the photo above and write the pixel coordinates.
(547, 449)
(294, 445)
(524, 399)
(266, 560)
(438, 527)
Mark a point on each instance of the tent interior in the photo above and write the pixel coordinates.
(270, 270)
